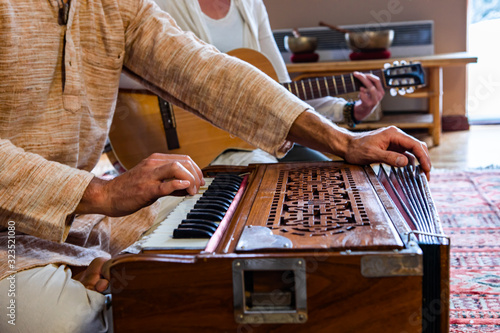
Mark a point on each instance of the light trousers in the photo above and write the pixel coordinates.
(47, 299)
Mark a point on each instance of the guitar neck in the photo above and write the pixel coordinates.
(326, 86)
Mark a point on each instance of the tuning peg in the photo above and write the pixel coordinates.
(393, 92)
(387, 65)
(402, 91)
(403, 62)
(396, 63)
(410, 90)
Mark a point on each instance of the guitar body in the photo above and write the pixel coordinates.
(137, 129)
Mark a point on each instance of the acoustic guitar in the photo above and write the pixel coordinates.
(143, 123)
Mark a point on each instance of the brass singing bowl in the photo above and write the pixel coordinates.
(300, 44)
(360, 41)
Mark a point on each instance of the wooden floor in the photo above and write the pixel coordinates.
(475, 148)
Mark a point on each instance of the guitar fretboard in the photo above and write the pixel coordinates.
(318, 87)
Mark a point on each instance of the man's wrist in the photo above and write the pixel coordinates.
(315, 131)
(94, 198)
(340, 141)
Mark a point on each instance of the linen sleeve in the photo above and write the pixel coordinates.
(39, 196)
(227, 92)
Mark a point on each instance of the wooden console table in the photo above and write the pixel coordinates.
(433, 91)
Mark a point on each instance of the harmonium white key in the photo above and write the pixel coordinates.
(196, 219)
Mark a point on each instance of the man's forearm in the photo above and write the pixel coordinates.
(315, 131)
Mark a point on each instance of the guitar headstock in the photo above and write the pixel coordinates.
(403, 78)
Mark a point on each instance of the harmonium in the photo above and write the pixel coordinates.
(291, 247)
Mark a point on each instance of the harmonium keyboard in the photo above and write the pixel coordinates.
(291, 247)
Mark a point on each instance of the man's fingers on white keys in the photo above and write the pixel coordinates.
(189, 164)
(175, 176)
(170, 186)
(186, 161)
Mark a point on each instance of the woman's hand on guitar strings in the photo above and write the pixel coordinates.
(370, 95)
(156, 176)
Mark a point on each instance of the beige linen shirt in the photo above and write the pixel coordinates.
(58, 88)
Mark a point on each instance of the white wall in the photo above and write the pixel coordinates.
(450, 24)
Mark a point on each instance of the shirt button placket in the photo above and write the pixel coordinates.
(71, 94)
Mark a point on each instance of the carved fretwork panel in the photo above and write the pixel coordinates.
(325, 205)
(316, 202)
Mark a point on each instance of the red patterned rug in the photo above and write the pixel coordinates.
(468, 203)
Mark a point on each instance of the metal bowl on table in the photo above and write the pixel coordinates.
(362, 41)
(301, 44)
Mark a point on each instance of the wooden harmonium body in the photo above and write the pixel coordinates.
(303, 247)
